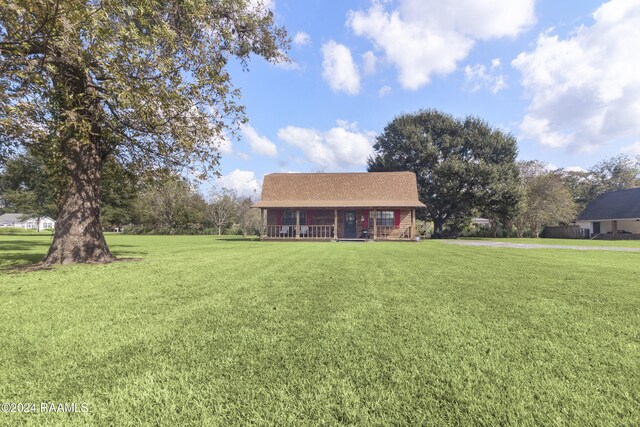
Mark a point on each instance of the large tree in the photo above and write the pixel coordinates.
(145, 82)
(462, 166)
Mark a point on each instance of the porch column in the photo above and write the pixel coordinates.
(335, 224)
(375, 224)
(262, 223)
(413, 224)
(297, 224)
(614, 228)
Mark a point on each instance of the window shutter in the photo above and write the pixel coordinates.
(365, 223)
(309, 218)
(396, 218)
(279, 213)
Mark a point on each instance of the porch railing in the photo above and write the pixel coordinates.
(384, 232)
(316, 231)
(306, 232)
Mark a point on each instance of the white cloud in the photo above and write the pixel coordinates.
(339, 147)
(633, 149)
(384, 91)
(480, 77)
(338, 68)
(369, 61)
(259, 144)
(422, 38)
(301, 38)
(243, 182)
(585, 89)
(224, 145)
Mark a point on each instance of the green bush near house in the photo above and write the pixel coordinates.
(226, 331)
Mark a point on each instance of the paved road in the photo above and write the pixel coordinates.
(538, 246)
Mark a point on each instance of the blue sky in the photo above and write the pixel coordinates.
(563, 77)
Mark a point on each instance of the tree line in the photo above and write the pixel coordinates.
(466, 168)
(159, 201)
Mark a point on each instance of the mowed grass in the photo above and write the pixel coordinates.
(210, 331)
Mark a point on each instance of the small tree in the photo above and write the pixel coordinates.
(170, 202)
(547, 200)
(222, 208)
(248, 218)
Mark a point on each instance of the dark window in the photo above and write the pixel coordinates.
(289, 217)
(383, 218)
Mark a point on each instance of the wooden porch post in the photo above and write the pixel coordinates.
(297, 224)
(413, 223)
(262, 223)
(335, 224)
(375, 224)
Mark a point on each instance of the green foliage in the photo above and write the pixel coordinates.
(617, 173)
(170, 203)
(208, 331)
(119, 193)
(547, 199)
(27, 186)
(462, 166)
(146, 81)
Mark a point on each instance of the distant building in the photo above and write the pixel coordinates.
(481, 222)
(613, 215)
(19, 220)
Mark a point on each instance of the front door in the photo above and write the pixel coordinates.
(350, 225)
(596, 228)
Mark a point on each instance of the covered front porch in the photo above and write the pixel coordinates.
(338, 224)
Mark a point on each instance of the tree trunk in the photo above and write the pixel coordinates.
(219, 230)
(438, 224)
(78, 234)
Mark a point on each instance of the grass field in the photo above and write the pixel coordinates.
(228, 331)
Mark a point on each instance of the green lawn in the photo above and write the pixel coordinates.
(564, 242)
(230, 332)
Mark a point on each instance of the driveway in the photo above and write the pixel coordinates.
(537, 246)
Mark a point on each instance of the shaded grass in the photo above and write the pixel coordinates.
(206, 330)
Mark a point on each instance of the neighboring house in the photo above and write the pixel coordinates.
(481, 222)
(374, 205)
(613, 215)
(24, 221)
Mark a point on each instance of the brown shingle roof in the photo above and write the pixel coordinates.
(320, 190)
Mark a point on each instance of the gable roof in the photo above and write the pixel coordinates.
(620, 204)
(10, 218)
(333, 190)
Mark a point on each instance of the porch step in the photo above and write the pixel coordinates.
(354, 240)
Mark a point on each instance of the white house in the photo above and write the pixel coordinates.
(613, 215)
(24, 221)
